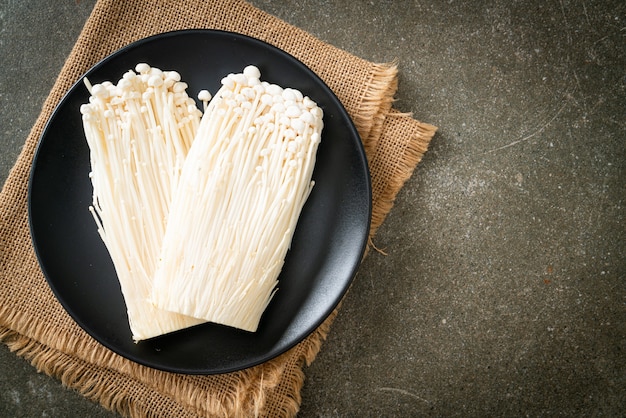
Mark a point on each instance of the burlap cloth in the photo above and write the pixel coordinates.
(33, 323)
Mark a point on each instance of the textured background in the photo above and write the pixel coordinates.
(504, 288)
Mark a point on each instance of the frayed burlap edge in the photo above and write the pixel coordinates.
(385, 78)
(275, 394)
(91, 381)
(400, 166)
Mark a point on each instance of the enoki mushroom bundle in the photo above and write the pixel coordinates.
(198, 215)
(244, 183)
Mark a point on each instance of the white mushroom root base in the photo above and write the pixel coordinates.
(198, 215)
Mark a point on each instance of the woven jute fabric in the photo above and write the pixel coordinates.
(33, 323)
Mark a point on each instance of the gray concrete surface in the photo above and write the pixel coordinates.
(503, 292)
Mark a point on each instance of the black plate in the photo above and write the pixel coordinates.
(327, 246)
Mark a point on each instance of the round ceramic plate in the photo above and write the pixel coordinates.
(327, 246)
